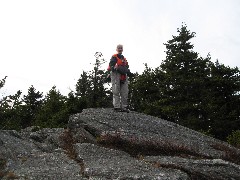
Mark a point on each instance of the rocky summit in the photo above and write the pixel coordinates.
(104, 144)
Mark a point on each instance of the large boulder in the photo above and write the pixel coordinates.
(106, 163)
(159, 143)
(104, 144)
(197, 168)
(151, 135)
(26, 158)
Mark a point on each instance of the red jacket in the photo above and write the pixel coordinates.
(117, 60)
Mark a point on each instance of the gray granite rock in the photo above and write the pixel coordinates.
(47, 139)
(198, 168)
(105, 163)
(148, 134)
(55, 165)
(21, 158)
(140, 134)
(103, 144)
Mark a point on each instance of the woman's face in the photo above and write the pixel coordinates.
(119, 49)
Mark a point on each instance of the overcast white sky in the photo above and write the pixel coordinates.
(49, 42)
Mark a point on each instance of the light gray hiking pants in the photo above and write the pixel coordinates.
(120, 91)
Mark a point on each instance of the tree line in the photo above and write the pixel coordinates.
(185, 88)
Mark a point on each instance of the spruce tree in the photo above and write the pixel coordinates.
(91, 87)
(54, 112)
(11, 111)
(145, 91)
(185, 77)
(2, 82)
(223, 100)
(32, 104)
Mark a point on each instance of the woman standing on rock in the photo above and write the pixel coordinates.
(119, 68)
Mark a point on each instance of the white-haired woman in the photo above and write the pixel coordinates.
(119, 68)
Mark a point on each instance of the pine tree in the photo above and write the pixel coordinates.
(32, 104)
(190, 90)
(185, 77)
(2, 82)
(2, 104)
(83, 85)
(54, 112)
(91, 88)
(75, 104)
(99, 95)
(223, 100)
(145, 91)
(11, 108)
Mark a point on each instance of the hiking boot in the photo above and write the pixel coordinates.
(117, 109)
(125, 110)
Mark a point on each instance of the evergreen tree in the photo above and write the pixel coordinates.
(32, 104)
(189, 89)
(145, 91)
(222, 102)
(75, 104)
(185, 78)
(91, 87)
(11, 108)
(2, 82)
(83, 90)
(98, 76)
(54, 112)
(83, 85)
(2, 104)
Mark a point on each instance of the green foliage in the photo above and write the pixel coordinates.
(2, 82)
(83, 85)
(16, 112)
(234, 138)
(35, 128)
(222, 101)
(185, 88)
(189, 90)
(206, 132)
(145, 91)
(75, 104)
(173, 90)
(185, 77)
(53, 112)
(32, 104)
(91, 88)
(11, 111)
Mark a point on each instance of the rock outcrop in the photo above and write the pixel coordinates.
(103, 144)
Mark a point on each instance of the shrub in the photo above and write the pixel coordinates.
(234, 138)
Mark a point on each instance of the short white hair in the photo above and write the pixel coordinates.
(119, 45)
